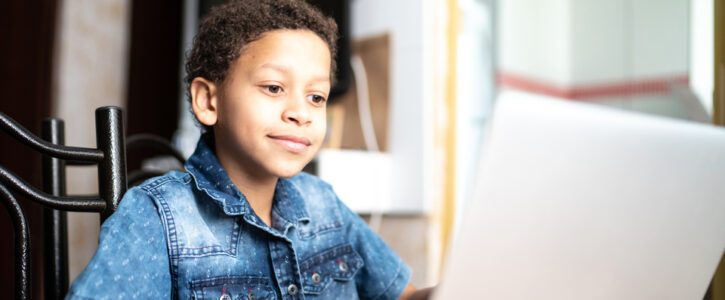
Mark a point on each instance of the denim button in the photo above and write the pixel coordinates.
(292, 289)
(343, 266)
(316, 278)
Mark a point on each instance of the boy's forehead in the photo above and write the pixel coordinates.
(286, 41)
(286, 51)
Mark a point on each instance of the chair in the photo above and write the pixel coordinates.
(110, 158)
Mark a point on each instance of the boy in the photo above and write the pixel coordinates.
(243, 222)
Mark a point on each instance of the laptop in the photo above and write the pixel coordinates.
(578, 201)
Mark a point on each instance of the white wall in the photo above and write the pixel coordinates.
(599, 43)
(187, 134)
(404, 20)
(660, 37)
(605, 51)
(92, 57)
(702, 77)
(533, 39)
(618, 40)
(475, 91)
(569, 43)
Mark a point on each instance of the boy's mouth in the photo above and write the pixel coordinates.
(291, 143)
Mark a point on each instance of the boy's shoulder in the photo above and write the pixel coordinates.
(171, 180)
(169, 177)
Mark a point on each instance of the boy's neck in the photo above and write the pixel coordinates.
(257, 188)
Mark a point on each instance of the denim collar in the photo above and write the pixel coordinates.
(211, 178)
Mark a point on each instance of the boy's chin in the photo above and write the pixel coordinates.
(288, 170)
(289, 175)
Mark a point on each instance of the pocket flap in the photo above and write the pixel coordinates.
(232, 288)
(340, 263)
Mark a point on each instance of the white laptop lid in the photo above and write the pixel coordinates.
(576, 201)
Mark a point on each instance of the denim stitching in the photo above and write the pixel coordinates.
(171, 236)
(320, 229)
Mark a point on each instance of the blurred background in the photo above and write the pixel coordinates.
(417, 84)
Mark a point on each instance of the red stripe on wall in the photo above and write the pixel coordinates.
(637, 87)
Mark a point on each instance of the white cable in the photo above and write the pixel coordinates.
(363, 103)
(366, 123)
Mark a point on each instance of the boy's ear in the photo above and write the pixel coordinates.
(204, 100)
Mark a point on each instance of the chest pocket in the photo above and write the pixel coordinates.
(339, 264)
(233, 288)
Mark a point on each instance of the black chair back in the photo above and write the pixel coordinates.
(109, 157)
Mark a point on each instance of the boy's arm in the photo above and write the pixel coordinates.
(132, 259)
(384, 274)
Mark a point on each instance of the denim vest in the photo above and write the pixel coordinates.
(205, 242)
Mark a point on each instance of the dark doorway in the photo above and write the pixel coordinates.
(26, 69)
(154, 79)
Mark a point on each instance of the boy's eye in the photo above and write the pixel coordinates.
(274, 89)
(317, 99)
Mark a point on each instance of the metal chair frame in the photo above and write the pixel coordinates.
(110, 158)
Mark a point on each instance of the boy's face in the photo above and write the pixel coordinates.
(271, 108)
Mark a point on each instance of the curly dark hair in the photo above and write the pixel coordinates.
(227, 28)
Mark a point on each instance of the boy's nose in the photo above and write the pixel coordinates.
(297, 112)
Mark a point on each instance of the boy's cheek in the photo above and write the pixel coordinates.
(318, 143)
(318, 130)
(314, 151)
